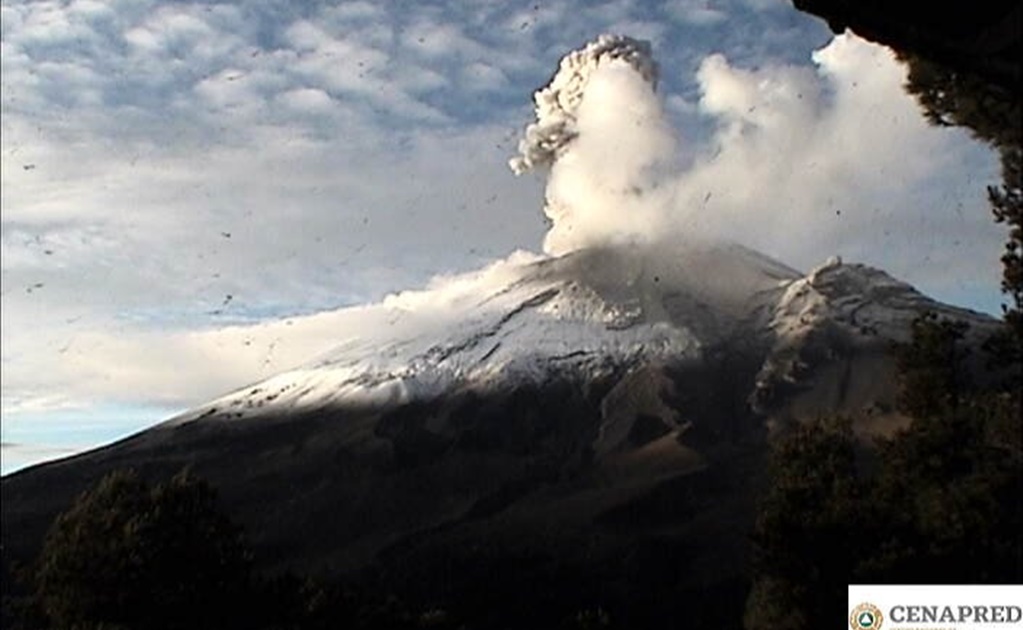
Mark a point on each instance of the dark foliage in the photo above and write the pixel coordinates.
(939, 502)
(954, 97)
(128, 555)
(802, 544)
(932, 374)
(1007, 205)
(947, 494)
(993, 114)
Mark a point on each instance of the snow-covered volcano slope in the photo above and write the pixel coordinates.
(580, 315)
(623, 284)
(832, 335)
(592, 313)
(591, 423)
(579, 407)
(594, 417)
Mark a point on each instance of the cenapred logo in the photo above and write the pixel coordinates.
(865, 617)
(935, 606)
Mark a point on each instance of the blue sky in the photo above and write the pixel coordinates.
(175, 173)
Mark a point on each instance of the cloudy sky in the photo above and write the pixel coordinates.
(178, 176)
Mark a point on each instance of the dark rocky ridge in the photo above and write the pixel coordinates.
(467, 499)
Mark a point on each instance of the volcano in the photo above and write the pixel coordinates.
(559, 432)
(594, 426)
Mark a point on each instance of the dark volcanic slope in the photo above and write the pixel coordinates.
(631, 486)
(471, 497)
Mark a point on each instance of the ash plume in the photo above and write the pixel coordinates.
(600, 131)
(802, 162)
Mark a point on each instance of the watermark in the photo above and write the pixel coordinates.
(866, 616)
(935, 607)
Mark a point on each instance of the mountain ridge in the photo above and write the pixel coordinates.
(574, 316)
(614, 440)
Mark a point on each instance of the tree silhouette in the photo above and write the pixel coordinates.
(802, 544)
(932, 376)
(938, 502)
(992, 113)
(128, 555)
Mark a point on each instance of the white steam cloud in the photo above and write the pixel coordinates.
(600, 129)
(803, 163)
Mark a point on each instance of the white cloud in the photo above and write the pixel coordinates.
(91, 9)
(440, 41)
(298, 158)
(183, 367)
(17, 456)
(343, 65)
(695, 12)
(179, 31)
(307, 100)
(804, 162)
(840, 161)
(49, 23)
(304, 36)
(767, 5)
(360, 12)
(482, 77)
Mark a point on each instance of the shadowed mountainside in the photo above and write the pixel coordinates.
(627, 483)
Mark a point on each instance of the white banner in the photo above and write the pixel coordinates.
(944, 607)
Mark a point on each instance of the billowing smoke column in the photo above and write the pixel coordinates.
(558, 103)
(600, 130)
